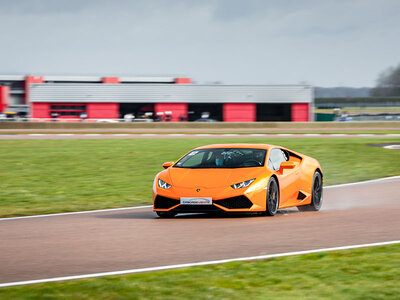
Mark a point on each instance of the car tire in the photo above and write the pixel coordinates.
(316, 194)
(165, 214)
(272, 202)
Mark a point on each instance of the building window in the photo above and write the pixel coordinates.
(68, 110)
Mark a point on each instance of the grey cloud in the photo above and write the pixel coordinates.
(321, 42)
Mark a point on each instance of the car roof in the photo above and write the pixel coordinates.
(254, 146)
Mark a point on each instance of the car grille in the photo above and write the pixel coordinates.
(235, 202)
(196, 208)
(164, 202)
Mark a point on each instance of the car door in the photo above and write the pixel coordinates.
(288, 186)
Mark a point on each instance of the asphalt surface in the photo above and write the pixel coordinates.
(55, 246)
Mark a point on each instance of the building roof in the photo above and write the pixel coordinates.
(169, 93)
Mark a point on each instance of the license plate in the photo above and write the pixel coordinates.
(196, 200)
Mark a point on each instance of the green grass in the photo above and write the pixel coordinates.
(365, 273)
(222, 131)
(47, 176)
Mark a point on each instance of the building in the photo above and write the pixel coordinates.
(168, 98)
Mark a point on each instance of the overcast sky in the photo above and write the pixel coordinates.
(321, 42)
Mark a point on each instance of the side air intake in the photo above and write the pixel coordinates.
(301, 196)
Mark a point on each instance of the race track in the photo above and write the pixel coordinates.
(73, 244)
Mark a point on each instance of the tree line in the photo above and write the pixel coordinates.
(388, 83)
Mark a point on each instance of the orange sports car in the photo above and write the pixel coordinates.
(238, 178)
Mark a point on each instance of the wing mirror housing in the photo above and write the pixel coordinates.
(287, 165)
(167, 164)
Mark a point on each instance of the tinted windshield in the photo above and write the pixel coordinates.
(223, 158)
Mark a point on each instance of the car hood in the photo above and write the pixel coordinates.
(211, 178)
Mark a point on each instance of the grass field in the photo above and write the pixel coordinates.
(47, 176)
(230, 131)
(365, 273)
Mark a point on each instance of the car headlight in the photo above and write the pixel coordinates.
(162, 184)
(242, 184)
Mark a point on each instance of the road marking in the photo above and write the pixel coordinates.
(363, 182)
(195, 264)
(230, 134)
(92, 134)
(258, 134)
(148, 134)
(176, 134)
(284, 134)
(312, 134)
(338, 134)
(392, 147)
(77, 212)
(121, 134)
(65, 134)
(365, 134)
(148, 206)
(203, 134)
(36, 134)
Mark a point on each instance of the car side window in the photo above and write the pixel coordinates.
(276, 157)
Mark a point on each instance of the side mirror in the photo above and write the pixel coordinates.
(287, 165)
(166, 165)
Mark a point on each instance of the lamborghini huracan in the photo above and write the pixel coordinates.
(238, 178)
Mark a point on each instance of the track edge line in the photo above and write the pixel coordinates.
(195, 264)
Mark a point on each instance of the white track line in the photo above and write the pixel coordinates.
(77, 212)
(258, 134)
(393, 134)
(363, 182)
(194, 264)
(148, 206)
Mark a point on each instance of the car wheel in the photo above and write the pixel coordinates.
(316, 196)
(165, 214)
(272, 197)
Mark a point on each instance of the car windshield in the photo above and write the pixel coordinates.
(222, 158)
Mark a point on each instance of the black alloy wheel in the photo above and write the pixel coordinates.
(165, 214)
(272, 197)
(316, 196)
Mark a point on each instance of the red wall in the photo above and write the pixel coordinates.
(28, 81)
(300, 112)
(4, 97)
(239, 112)
(177, 109)
(102, 110)
(110, 80)
(183, 80)
(93, 110)
(40, 110)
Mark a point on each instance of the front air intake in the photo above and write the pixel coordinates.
(164, 202)
(235, 202)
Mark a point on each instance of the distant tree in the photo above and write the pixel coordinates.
(388, 83)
